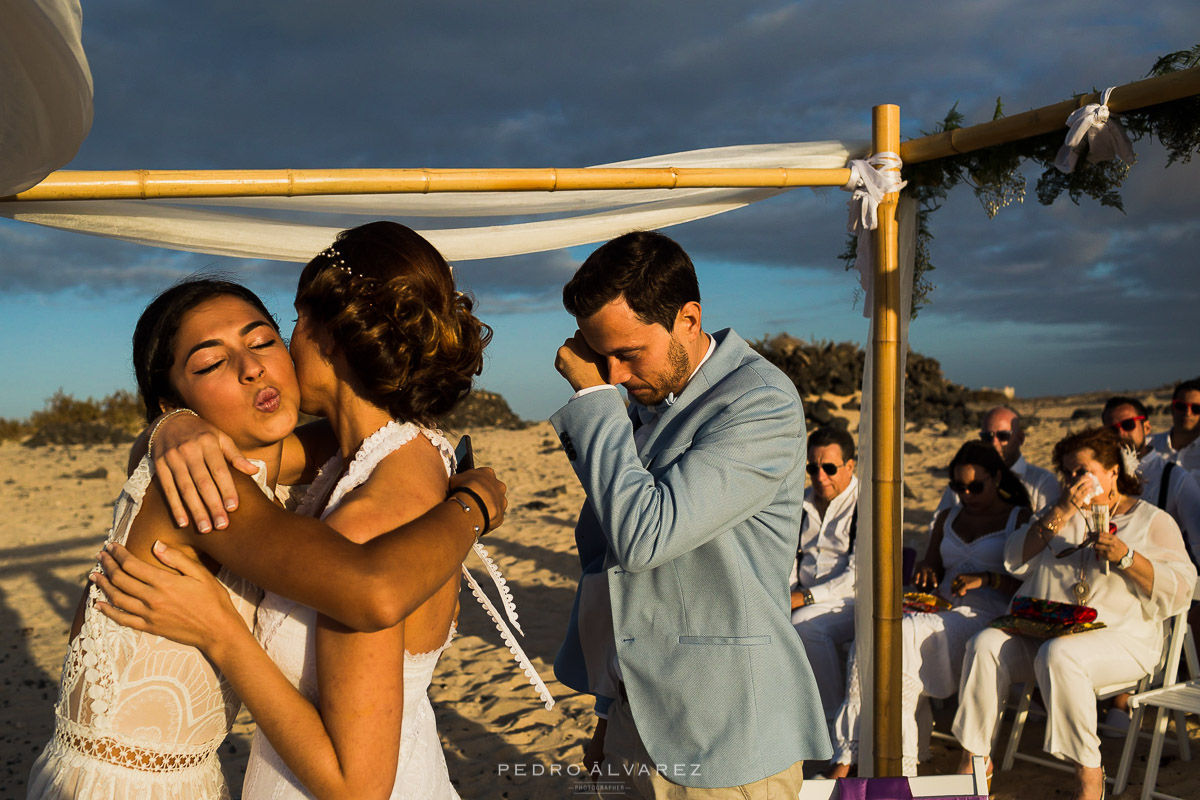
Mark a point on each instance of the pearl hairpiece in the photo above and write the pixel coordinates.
(336, 259)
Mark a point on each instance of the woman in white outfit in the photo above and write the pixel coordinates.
(139, 716)
(1135, 573)
(963, 565)
(383, 345)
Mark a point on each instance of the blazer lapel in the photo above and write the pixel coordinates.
(727, 355)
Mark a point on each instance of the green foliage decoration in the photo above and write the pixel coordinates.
(995, 173)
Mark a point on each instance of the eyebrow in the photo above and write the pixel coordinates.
(217, 342)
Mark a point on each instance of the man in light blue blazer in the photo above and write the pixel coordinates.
(681, 627)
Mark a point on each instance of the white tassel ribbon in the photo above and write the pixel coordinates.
(1091, 128)
(869, 181)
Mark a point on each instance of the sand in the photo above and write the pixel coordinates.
(499, 740)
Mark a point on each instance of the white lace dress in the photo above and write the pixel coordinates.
(285, 630)
(138, 717)
(932, 644)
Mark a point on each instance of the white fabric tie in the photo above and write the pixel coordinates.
(869, 181)
(1105, 137)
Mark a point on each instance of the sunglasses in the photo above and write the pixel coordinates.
(974, 487)
(829, 468)
(1126, 425)
(1001, 436)
(1180, 405)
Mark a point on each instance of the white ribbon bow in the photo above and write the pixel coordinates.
(1104, 136)
(869, 181)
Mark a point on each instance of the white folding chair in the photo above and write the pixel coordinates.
(1182, 698)
(1174, 630)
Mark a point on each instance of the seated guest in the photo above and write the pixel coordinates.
(964, 566)
(823, 573)
(1164, 483)
(1180, 443)
(1001, 428)
(1135, 574)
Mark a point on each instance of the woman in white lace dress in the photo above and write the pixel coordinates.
(139, 716)
(964, 565)
(383, 345)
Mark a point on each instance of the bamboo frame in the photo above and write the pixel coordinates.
(886, 445)
(167, 184)
(1046, 119)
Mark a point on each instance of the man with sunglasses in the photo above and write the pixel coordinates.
(1164, 482)
(1181, 444)
(823, 572)
(1001, 428)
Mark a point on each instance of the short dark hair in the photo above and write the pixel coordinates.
(1116, 402)
(983, 455)
(651, 271)
(1192, 385)
(832, 434)
(157, 329)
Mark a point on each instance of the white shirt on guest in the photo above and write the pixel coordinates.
(826, 563)
(1183, 495)
(1041, 484)
(1187, 457)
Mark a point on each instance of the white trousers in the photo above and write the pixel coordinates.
(827, 630)
(1067, 670)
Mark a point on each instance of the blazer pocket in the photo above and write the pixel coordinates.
(727, 640)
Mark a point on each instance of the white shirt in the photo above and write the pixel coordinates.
(1183, 495)
(826, 566)
(1188, 457)
(1041, 484)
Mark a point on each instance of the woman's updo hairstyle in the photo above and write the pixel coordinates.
(1107, 448)
(157, 332)
(386, 299)
(984, 456)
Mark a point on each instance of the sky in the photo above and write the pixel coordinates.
(1048, 300)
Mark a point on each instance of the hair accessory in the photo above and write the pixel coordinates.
(1129, 461)
(336, 259)
(161, 420)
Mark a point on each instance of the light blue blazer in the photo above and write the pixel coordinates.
(697, 534)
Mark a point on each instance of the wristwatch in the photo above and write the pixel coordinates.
(1126, 560)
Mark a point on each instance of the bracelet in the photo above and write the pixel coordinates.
(487, 520)
(466, 510)
(808, 597)
(161, 420)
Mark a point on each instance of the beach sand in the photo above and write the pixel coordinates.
(499, 740)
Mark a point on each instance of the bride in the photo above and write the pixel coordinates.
(382, 346)
(140, 716)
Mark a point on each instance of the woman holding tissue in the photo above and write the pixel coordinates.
(1098, 547)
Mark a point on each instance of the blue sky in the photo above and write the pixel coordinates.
(1048, 300)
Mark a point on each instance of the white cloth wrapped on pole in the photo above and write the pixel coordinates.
(1092, 128)
(869, 181)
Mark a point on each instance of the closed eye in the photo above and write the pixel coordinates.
(210, 367)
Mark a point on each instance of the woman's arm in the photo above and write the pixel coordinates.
(367, 586)
(1045, 528)
(928, 572)
(195, 609)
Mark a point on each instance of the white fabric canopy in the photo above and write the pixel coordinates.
(46, 92)
(295, 228)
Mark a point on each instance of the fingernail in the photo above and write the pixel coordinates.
(159, 547)
(92, 577)
(204, 527)
(108, 547)
(181, 522)
(230, 505)
(221, 523)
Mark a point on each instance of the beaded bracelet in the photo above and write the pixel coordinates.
(487, 520)
(161, 420)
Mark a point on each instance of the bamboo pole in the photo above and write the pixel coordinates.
(165, 184)
(886, 445)
(1129, 97)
